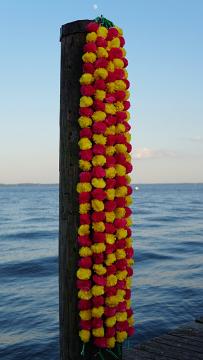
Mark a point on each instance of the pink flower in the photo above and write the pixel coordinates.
(90, 47)
(99, 172)
(98, 216)
(84, 304)
(86, 132)
(97, 323)
(92, 26)
(100, 84)
(99, 127)
(85, 262)
(100, 342)
(87, 90)
(98, 149)
(85, 324)
(98, 258)
(98, 301)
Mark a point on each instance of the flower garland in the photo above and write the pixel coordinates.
(105, 246)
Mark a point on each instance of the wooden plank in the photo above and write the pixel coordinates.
(184, 343)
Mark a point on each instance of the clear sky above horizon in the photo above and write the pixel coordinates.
(165, 53)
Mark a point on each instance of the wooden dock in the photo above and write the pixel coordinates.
(184, 343)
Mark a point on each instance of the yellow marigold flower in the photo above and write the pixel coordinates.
(128, 115)
(84, 229)
(110, 216)
(98, 160)
(86, 101)
(83, 274)
(111, 300)
(120, 212)
(129, 242)
(97, 312)
(120, 85)
(84, 335)
(97, 205)
(110, 109)
(98, 183)
(99, 269)
(110, 66)
(121, 148)
(84, 294)
(120, 31)
(102, 31)
(121, 233)
(111, 280)
(124, 52)
(128, 282)
(118, 63)
(127, 94)
(128, 157)
(100, 95)
(120, 128)
(121, 274)
(121, 316)
(131, 321)
(99, 115)
(111, 342)
(89, 57)
(115, 43)
(100, 73)
(85, 314)
(84, 187)
(99, 139)
(84, 165)
(102, 52)
(111, 321)
(128, 304)
(84, 208)
(128, 200)
(121, 191)
(110, 172)
(128, 136)
(129, 221)
(128, 178)
(110, 238)
(111, 130)
(130, 262)
(86, 79)
(85, 251)
(98, 248)
(84, 121)
(125, 73)
(120, 170)
(110, 150)
(119, 106)
(110, 194)
(98, 332)
(120, 254)
(120, 293)
(110, 259)
(121, 336)
(84, 144)
(110, 87)
(92, 36)
(98, 226)
(97, 290)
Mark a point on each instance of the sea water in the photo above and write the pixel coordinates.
(168, 272)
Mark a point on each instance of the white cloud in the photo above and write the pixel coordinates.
(196, 138)
(95, 6)
(146, 153)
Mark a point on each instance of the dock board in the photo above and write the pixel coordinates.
(184, 343)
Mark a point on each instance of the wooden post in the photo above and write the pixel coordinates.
(72, 42)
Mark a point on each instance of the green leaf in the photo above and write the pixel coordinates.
(113, 354)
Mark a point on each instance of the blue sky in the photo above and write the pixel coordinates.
(165, 53)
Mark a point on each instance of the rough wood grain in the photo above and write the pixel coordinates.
(72, 42)
(184, 343)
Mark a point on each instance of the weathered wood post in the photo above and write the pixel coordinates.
(72, 42)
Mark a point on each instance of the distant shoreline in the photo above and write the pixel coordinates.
(137, 184)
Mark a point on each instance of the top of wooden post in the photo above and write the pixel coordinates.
(73, 27)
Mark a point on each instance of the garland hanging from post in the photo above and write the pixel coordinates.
(104, 235)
